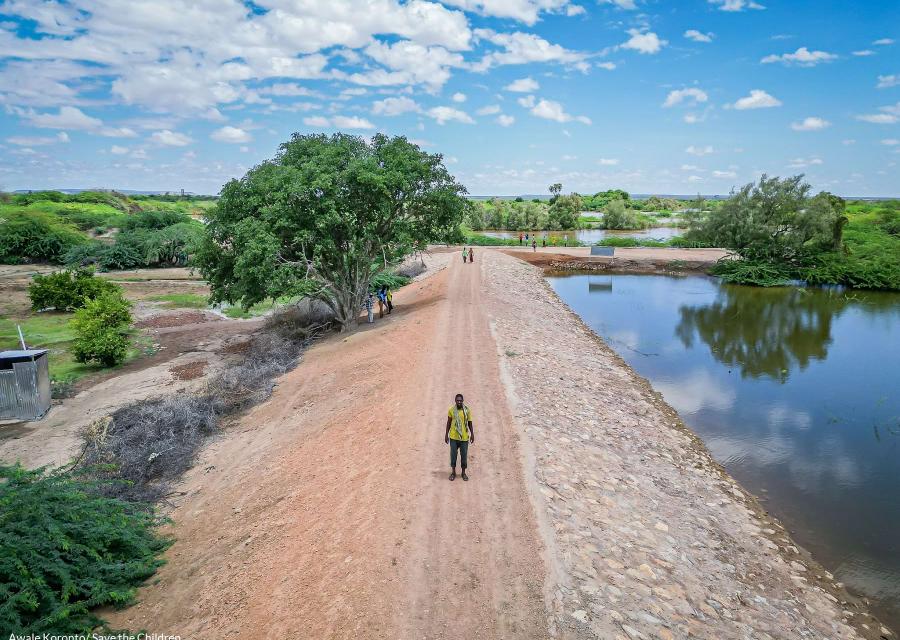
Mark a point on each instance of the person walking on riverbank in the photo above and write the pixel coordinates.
(471, 255)
(520, 239)
(389, 298)
(459, 434)
(465, 255)
(534, 244)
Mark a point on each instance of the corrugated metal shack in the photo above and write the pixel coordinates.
(24, 384)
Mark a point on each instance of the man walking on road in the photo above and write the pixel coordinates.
(459, 434)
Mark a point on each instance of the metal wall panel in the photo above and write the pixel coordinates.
(26, 381)
(9, 401)
(43, 384)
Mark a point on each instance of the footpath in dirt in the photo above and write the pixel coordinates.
(591, 512)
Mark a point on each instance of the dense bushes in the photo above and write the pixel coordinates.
(35, 236)
(143, 246)
(781, 234)
(389, 280)
(65, 550)
(617, 216)
(101, 328)
(49, 226)
(66, 290)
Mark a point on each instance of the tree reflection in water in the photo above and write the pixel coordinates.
(765, 332)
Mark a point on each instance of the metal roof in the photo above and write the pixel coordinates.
(30, 353)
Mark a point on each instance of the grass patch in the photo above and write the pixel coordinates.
(51, 330)
(181, 300)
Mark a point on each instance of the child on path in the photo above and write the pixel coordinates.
(465, 254)
(370, 307)
(382, 302)
(389, 296)
(471, 255)
(534, 245)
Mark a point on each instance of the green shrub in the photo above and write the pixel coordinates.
(35, 236)
(755, 272)
(66, 290)
(124, 254)
(65, 550)
(617, 216)
(391, 280)
(101, 330)
(85, 254)
(154, 220)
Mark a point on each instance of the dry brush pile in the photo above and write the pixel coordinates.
(146, 446)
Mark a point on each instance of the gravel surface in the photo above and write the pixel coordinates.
(646, 536)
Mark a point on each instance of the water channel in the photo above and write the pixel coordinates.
(796, 391)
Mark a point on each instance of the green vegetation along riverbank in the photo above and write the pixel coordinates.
(782, 233)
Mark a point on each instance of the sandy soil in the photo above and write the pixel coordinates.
(54, 440)
(327, 511)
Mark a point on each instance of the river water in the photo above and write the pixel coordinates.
(590, 236)
(795, 391)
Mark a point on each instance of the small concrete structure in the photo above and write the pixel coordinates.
(24, 384)
(607, 252)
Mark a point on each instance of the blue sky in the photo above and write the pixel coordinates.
(651, 96)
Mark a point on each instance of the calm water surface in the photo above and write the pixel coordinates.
(795, 391)
(590, 236)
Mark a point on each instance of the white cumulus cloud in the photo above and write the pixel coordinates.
(758, 99)
(886, 82)
(802, 57)
(678, 96)
(442, 115)
(395, 106)
(459, 97)
(698, 36)
(504, 120)
(552, 110)
(811, 123)
(170, 138)
(523, 85)
(231, 135)
(644, 41)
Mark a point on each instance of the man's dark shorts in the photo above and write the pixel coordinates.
(463, 447)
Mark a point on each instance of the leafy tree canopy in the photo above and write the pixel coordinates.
(774, 220)
(325, 216)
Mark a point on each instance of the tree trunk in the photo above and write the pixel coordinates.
(346, 310)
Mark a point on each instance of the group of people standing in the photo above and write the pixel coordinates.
(384, 298)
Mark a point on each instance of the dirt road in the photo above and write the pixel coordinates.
(327, 511)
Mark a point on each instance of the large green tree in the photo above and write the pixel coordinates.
(323, 217)
(774, 220)
(565, 211)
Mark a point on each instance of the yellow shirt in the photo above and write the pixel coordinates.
(465, 416)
